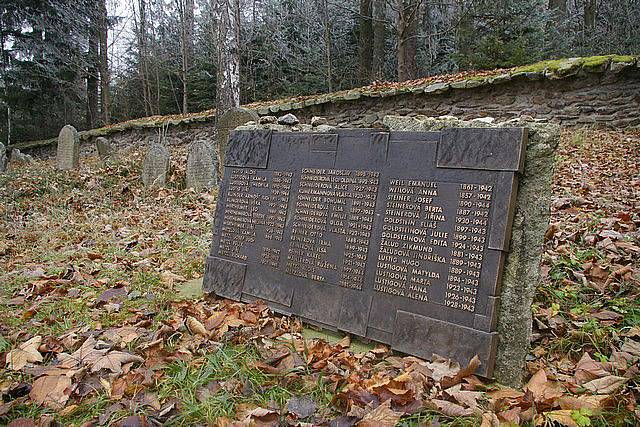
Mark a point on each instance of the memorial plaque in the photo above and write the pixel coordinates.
(395, 236)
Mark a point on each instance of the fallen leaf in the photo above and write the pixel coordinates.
(450, 409)
(542, 389)
(631, 347)
(170, 278)
(562, 417)
(449, 381)
(110, 295)
(489, 419)
(382, 416)
(592, 403)
(114, 360)
(195, 327)
(51, 391)
(301, 406)
(605, 385)
(26, 352)
(22, 422)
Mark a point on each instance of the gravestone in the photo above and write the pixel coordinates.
(104, 147)
(155, 167)
(230, 120)
(68, 150)
(4, 160)
(399, 237)
(201, 167)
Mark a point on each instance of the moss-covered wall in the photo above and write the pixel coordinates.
(602, 91)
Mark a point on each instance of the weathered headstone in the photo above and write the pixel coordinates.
(230, 120)
(395, 236)
(104, 147)
(68, 151)
(201, 167)
(156, 166)
(4, 160)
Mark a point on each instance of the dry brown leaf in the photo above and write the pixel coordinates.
(542, 389)
(382, 416)
(449, 381)
(464, 397)
(195, 327)
(632, 347)
(451, 409)
(605, 385)
(489, 419)
(592, 403)
(85, 355)
(26, 352)
(114, 360)
(562, 417)
(170, 278)
(588, 369)
(51, 391)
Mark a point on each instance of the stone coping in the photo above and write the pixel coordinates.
(545, 70)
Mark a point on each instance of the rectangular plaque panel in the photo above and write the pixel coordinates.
(395, 236)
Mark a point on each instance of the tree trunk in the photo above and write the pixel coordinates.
(92, 69)
(326, 22)
(590, 9)
(365, 42)
(228, 95)
(104, 62)
(228, 78)
(407, 11)
(5, 58)
(379, 39)
(187, 50)
(143, 68)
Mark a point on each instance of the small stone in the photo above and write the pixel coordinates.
(484, 120)
(104, 147)
(317, 121)
(325, 128)
(268, 119)
(370, 119)
(3, 158)
(156, 166)
(437, 88)
(68, 151)
(288, 119)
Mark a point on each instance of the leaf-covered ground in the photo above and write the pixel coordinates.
(94, 329)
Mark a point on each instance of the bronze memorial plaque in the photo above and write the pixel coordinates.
(395, 236)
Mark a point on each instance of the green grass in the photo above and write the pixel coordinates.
(240, 384)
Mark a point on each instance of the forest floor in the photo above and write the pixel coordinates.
(94, 329)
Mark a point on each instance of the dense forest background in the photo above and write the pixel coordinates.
(92, 62)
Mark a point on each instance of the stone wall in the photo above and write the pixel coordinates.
(600, 91)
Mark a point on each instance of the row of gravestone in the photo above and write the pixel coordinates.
(201, 160)
(201, 166)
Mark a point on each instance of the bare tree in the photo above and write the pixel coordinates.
(92, 66)
(186, 11)
(228, 82)
(590, 14)
(407, 38)
(326, 24)
(103, 63)
(379, 39)
(365, 42)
